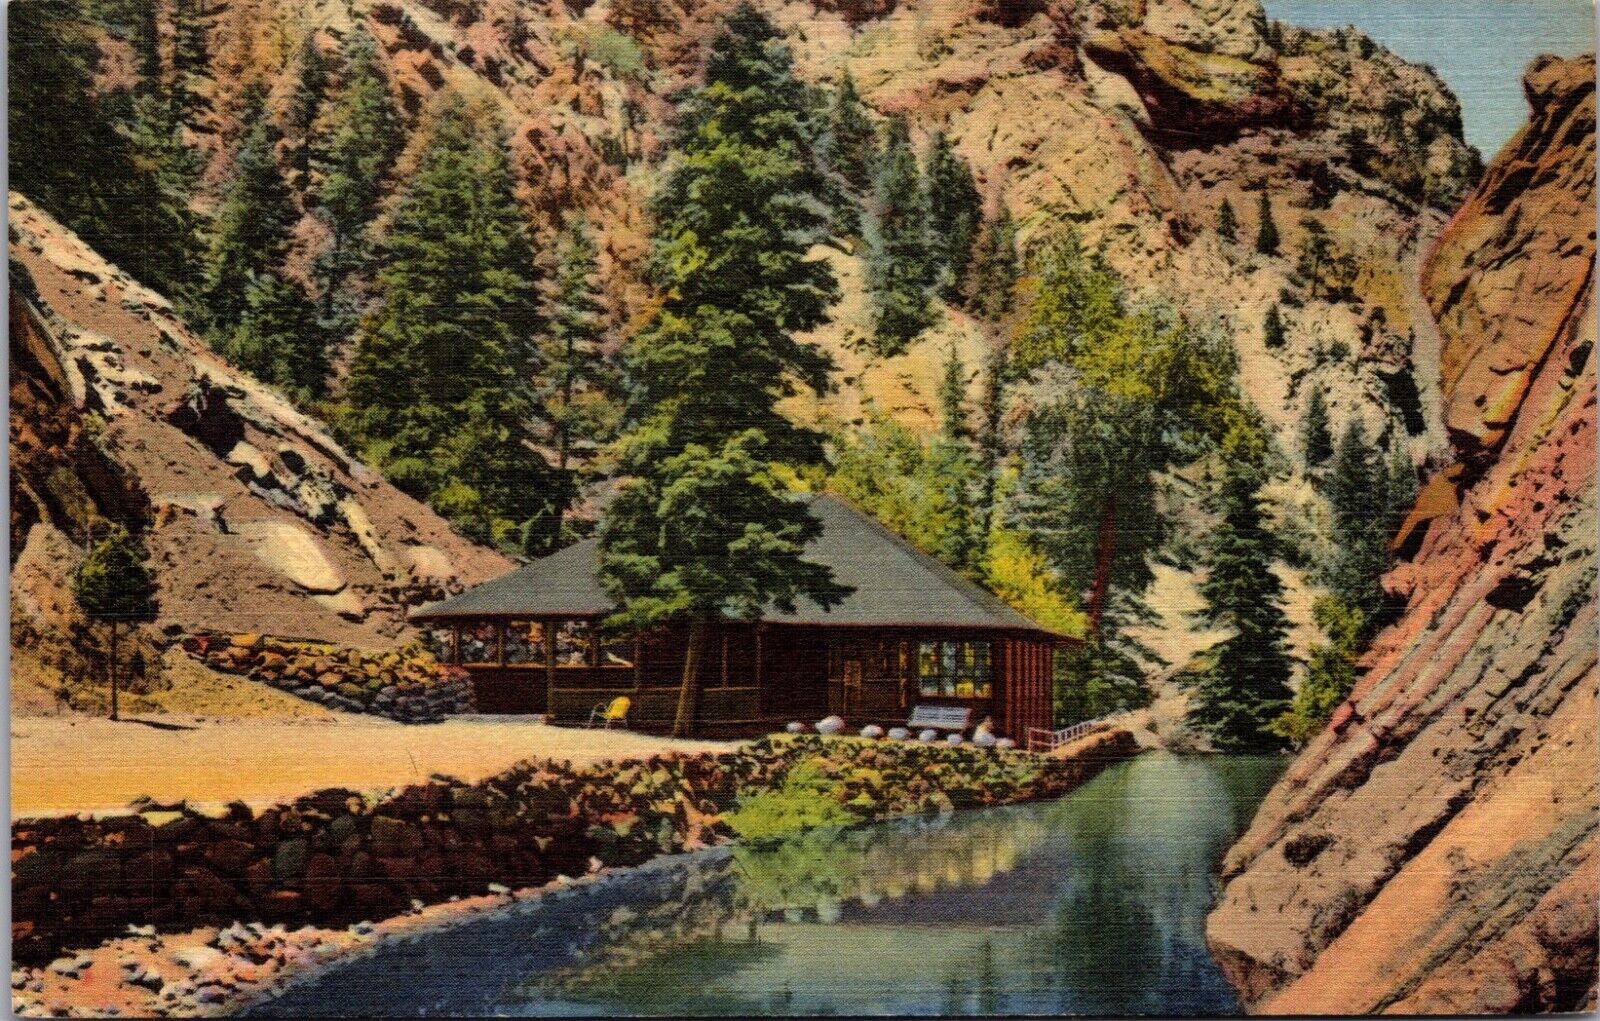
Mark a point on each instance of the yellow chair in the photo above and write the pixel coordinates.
(614, 712)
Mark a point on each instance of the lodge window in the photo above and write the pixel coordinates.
(480, 642)
(525, 643)
(955, 669)
(574, 642)
(615, 650)
(441, 641)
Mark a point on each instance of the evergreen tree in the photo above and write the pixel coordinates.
(438, 392)
(306, 102)
(956, 473)
(1356, 491)
(1267, 231)
(1078, 305)
(1315, 253)
(1316, 439)
(1330, 670)
(103, 162)
(277, 338)
(191, 24)
(363, 138)
(953, 399)
(1400, 484)
(113, 587)
(1244, 691)
(581, 392)
(994, 270)
(702, 529)
(991, 441)
(955, 208)
(899, 267)
(851, 136)
(1272, 330)
(1227, 223)
(251, 232)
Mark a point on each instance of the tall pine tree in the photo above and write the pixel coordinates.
(899, 265)
(851, 137)
(1357, 492)
(438, 392)
(954, 210)
(1227, 222)
(1241, 695)
(1266, 228)
(1316, 438)
(702, 529)
(581, 391)
(995, 267)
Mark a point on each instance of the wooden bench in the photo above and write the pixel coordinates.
(939, 717)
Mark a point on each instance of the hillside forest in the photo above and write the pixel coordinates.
(734, 267)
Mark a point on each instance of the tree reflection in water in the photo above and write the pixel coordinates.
(1094, 904)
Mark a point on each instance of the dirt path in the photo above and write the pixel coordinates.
(76, 763)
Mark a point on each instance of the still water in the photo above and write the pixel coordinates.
(1094, 904)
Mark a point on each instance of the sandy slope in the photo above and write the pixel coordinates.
(76, 763)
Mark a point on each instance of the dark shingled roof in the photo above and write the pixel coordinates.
(893, 583)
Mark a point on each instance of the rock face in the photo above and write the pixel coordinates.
(257, 519)
(1436, 850)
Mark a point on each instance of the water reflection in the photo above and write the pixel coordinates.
(1094, 904)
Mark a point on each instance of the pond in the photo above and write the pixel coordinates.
(1094, 904)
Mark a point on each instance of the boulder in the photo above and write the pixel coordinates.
(830, 726)
(928, 736)
(898, 733)
(955, 740)
(1005, 744)
(984, 739)
(872, 730)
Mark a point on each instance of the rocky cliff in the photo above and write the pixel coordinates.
(257, 519)
(1437, 849)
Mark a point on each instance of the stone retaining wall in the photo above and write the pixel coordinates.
(336, 857)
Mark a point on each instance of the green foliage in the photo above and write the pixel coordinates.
(306, 102)
(616, 52)
(851, 138)
(703, 528)
(992, 278)
(1097, 678)
(363, 137)
(1316, 438)
(438, 393)
(1315, 251)
(1330, 670)
(1357, 491)
(113, 583)
(1266, 231)
(1077, 305)
(278, 339)
(581, 394)
(1245, 688)
(251, 233)
(900, 264)
(954, 209)
(1227, 222)
(806, 800)
(107, 163)
(1272, 328)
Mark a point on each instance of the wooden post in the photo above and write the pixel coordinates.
(500, 642)
(724, 657)
(638, 663)
(550, 668)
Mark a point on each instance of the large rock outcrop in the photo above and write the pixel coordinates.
(1436, 850)
(257, 519)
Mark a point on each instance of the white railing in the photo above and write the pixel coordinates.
(1041, 739)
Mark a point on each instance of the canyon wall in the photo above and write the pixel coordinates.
(1436, 849)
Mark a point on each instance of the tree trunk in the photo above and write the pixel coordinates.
(689, 694)
(113, 669)
(1102, 564)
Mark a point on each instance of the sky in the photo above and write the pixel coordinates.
(1479, 47)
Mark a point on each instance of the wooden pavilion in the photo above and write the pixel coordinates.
(911, 632)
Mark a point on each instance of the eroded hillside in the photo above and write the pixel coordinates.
(257, 519)
(1437, 849)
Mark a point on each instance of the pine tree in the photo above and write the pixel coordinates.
(1316, 438)
(1330, 670)
(363, 137)
(955, 473)
(994, 271)
(851, 136)
(251, 232)
(1227, 223)
(899, 267)
(306, 102)
(438, 392)
(702, 529)
(1245, 690)
(954, 206)
(1272, 330)
(1315, 253)
(1267, 231)
(113, 587)
(277, 338)
(191, 25)
(1356, 492)
(1078, 304)
(581, 393)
